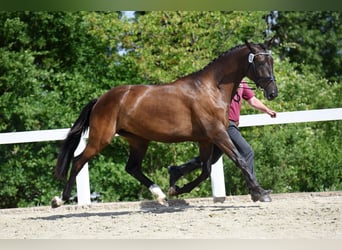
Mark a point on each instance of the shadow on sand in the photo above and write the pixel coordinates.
(174, 206)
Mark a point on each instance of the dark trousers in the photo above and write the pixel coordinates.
(240, 143)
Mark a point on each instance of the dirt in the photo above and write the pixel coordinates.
(288, 216)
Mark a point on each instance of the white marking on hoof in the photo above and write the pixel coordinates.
(160, 196)
(56, 202)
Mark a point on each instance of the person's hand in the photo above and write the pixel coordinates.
(272, 113)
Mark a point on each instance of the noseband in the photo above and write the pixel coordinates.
(251, 57)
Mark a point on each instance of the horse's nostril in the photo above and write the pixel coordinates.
(273, 95)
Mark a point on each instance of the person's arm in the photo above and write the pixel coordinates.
(257, 104)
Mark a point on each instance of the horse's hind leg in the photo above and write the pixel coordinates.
(98, 139)
(77, 165)
(89, 152)
(138, 148)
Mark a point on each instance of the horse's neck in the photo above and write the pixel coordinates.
(226, 73)
(223, 74)
(228, 69)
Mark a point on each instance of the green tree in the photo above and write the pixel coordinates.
(50, 67)
(312, 40)
(167, 45)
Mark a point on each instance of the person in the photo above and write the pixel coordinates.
(246, 93)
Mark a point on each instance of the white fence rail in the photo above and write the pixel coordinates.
(217, 177)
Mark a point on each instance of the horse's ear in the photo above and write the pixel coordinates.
(249, 46)
(270, 43)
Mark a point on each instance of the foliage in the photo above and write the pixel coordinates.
(167, 45)
(53, 63)
(312, 40)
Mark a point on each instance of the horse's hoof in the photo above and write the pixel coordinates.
(262, 197)
(163, 202)
(173, 191)
(56, 202)
(265, 198)
(159, 195)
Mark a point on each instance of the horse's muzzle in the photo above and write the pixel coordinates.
(271, 93)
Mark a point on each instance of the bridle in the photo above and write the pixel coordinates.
(251, 57)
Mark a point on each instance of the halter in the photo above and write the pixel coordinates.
(251, 57)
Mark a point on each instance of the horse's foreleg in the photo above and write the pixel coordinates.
(226, 145)
(138, 148)
(187, 188)
(176, 172)
(204, 161)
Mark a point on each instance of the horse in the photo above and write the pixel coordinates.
(192, 108)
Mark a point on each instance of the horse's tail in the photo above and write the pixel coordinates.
(71, 142)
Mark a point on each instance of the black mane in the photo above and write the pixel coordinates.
(223, 55)
(219, 57)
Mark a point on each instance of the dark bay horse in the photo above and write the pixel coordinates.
(192, 108)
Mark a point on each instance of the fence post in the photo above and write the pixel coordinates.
(217, 181)
(82, 179)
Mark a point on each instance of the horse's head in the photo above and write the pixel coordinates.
(260, 68)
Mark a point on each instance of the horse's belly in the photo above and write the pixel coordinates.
(158, 129)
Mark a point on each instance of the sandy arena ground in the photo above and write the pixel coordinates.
(289, 216)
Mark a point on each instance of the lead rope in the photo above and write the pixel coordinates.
(251, 88)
